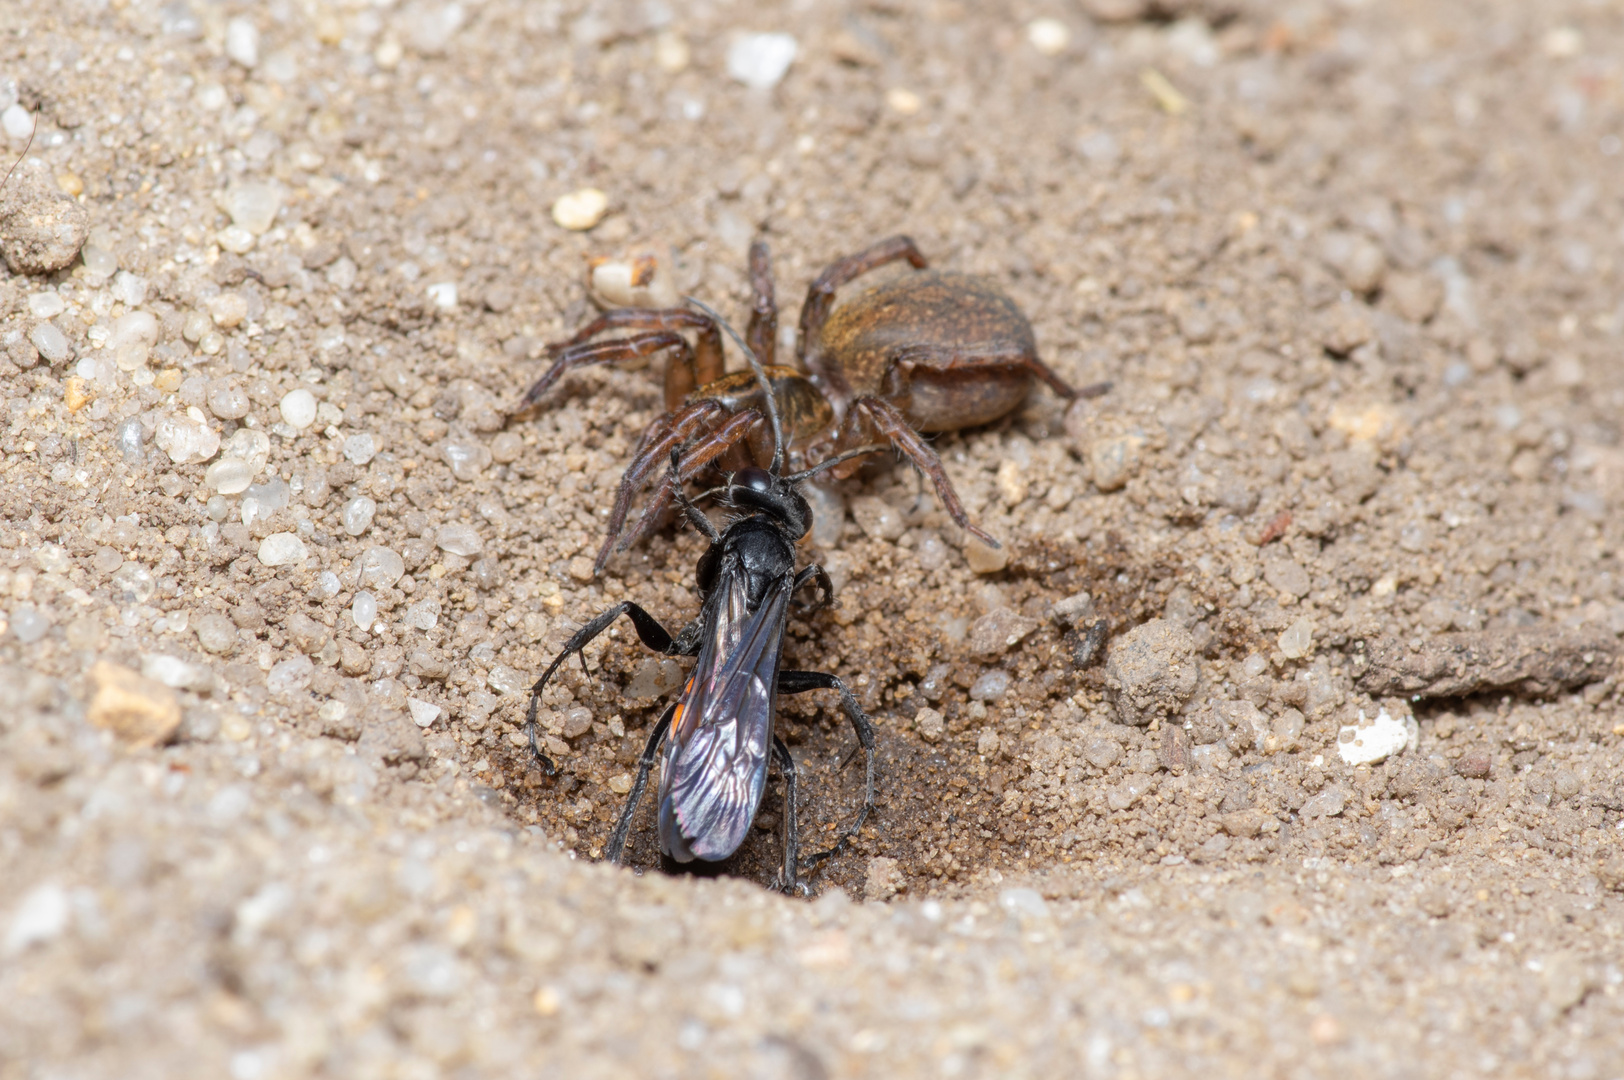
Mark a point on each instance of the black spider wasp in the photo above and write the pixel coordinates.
(715, 741)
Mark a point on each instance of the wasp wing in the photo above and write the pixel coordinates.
(715, 766)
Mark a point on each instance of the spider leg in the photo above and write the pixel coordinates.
(820, 296)
(681, 378)
(694, 461)
(663, 436)
(643, 344)
(762, 333)
(871, 416)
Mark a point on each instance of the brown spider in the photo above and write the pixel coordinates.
(925, 352)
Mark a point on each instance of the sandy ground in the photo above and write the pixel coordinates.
(277, 273)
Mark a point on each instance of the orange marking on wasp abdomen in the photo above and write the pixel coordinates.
(682, 706)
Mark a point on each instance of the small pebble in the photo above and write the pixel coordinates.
(931, 724)
(46, 305)
(99, 262)
(357, 515)
(1297, 639)
(1012, 485)
(999, 630)
(360, 449)
(577, 722)
(251, 446)
(236, 239)
(106, 560)
(423, 713)
(77, 393)
(228, 310)
(128, 289)
(364, 610)
(984, 559)
(42, 915)
(467, 457)
(186, 439)
(253, 206)
(671, 52)
(1369, 741)
(216, 633)
(381, 568)
(877, 518)
(1073, 609)
(42, 229)
(132, 339)
(991, 686)
(18, 122)
(176, 673)
(52, 559)
(1475, 764)
(298, 408)
(1101, 752)
(1048, 36)
(263, 500)
(423, 615)
(52, 343)
(506, 446)
(1114, 461)
(227, 400)
(242, 41)
(581, 210)
(903, 101)
(290, 676)
(760, 61)
(137, 710)
(460, 540)
(1151, 671)
(443, 295)
(228, 476)
(1330, 802)
(281, 549)
(29, 623)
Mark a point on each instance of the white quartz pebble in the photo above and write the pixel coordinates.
(298, 408)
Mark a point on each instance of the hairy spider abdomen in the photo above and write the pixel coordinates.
(930, 323)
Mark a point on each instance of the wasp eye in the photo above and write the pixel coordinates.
(758, 480)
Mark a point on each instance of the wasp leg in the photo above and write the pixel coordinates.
(586, 353)
(762, 333)
(820, 296)
(649, 631)
(798, 682)
(789, 879)
(818, 576)
(623, 827)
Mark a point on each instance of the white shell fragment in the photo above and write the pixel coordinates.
(580, 210)
(639, 280)
(1370, 741)
(760, 61)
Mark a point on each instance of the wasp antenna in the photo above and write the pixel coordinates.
(761, 377)
(829, 463)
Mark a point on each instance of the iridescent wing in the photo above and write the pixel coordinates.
(715, 766)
